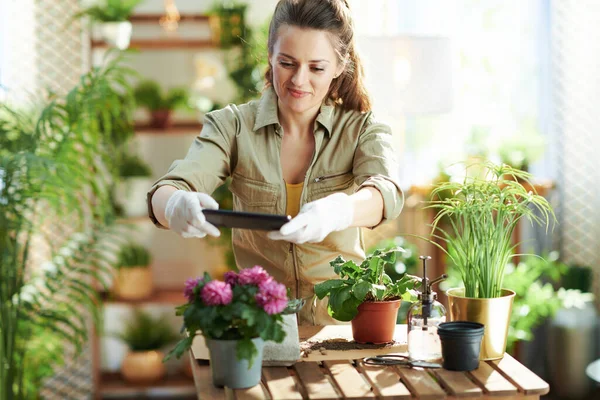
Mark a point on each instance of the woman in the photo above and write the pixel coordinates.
(309, 148)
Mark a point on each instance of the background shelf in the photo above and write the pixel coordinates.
(179, 385)
(162, 44)
(154, 18)
(178, 128)
(159, 296)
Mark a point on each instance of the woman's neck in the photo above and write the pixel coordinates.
(297, 124)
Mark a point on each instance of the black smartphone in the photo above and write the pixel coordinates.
(246, 220)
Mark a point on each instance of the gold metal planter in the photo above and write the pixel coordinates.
(494, 314)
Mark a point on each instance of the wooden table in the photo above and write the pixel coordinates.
(350, 378)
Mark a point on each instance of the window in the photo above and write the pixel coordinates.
(499, 67)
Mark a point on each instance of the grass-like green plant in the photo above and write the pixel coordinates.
(365, 282)
(54, 166)
(110, 11)
(149, 95)
(536, 299)
(131, 165)
(145, 332)
(480, 218)
(133, 255)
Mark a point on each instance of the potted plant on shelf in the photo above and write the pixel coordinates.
(133, 280)
(131, 189)
(113, 17)
(481, 216)
(235, 317)
(160, 104)
(367, 296)
(145, 336)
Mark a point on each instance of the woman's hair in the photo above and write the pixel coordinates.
(332, 16)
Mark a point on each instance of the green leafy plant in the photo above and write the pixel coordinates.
(365, 282)
(42, 181)
(133, 255)
(228, 22)
(149, 94)
(534, 300)
(146, 333)
(110, 11)
(132, 165)
(247, 305)
(246, 67)
(481, 216)
(406, 261)
(533, 281)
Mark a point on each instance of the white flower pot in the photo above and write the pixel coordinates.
(287, 352)
(117, 34)
(131, 195)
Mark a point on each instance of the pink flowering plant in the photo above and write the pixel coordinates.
(247, 305)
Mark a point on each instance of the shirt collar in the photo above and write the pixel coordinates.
(267, 112)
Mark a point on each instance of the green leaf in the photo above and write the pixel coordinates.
(378, 292)
(249, 315)
(343, 306)
(182, 346)
(324, 288)
(360, 290)
(246, 350)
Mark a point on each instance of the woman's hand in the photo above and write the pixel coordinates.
(318, 219)
(184, 214)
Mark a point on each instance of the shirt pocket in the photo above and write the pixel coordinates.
(253, 195)
(324, 185)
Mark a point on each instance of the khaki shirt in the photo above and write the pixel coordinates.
(352, 151)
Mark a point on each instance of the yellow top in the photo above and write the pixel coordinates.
(293, 190)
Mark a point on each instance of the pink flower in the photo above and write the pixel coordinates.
(216, 293)
(190, 285)
(254, 276)
(231, 278)
(272, 297)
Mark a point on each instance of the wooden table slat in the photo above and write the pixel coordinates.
(254, 393)
(386, 381)
(420, 383)
(519, 396)
(349, 381)
(492, 381)
(520, 375)
(314, 381)
(458, 383)
(204, 385)
(281, 384)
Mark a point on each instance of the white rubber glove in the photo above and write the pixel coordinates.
(317, 219)
(184, 214)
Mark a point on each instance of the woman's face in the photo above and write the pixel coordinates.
(304, 63)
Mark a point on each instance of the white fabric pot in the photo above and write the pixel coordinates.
(131, 195)
(117, 34)
(287, 352)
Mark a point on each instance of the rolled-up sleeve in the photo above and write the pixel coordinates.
(376, 165)
(209, 160)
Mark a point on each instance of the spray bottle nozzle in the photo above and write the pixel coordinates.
(426, 293)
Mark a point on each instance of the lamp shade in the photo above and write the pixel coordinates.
(408, 74)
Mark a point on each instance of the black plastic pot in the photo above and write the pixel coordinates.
(461, 342)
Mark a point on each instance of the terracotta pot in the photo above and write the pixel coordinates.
(160, 119)
(375, 322)
(143, 366)
(133, 283)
